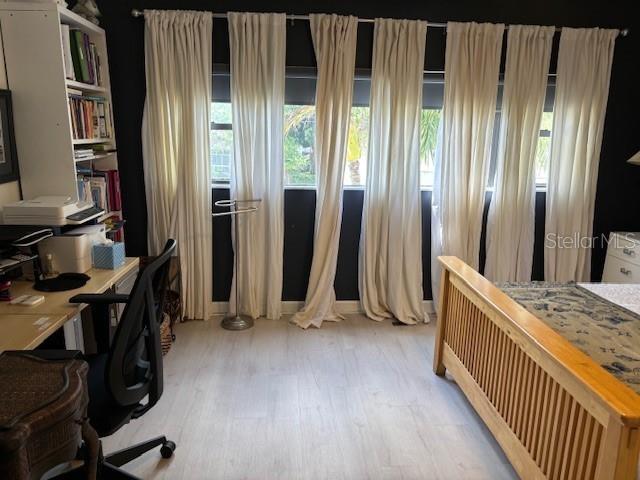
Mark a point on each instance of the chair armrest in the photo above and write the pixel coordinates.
(100, 298)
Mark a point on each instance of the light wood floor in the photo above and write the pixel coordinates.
(352, 400)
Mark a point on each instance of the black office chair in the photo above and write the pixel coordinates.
(129, 368)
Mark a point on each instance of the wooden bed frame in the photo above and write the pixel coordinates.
(554, 411)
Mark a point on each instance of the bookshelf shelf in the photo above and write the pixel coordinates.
(85, 87)
(89, 141)
(76, 21)
(94, 157)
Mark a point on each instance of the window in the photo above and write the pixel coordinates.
(429, 123)
(543, 149)
(221, 142)
(299, 132)
(299, 144)
(355, 172)
(300, 124)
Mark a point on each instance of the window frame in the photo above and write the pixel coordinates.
(360, 75)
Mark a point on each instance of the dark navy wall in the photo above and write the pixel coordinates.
(299, 215)
(617, 206)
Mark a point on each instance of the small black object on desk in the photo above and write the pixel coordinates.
(62, 283)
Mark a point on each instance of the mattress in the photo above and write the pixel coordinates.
(602, 320)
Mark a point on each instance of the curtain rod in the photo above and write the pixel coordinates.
(139, 13)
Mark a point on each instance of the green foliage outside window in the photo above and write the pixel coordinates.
(299, 145)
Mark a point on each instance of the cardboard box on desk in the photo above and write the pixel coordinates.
(108, 256)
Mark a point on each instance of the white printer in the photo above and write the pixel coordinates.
(49, 210)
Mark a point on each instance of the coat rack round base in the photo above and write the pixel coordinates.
(236, 321)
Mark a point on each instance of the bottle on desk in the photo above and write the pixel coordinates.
(49, 267)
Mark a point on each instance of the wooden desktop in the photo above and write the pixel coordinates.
(24, 328)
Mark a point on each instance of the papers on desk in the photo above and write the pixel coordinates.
(42, 323)
(27, 300)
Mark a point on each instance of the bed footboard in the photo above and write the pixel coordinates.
(555, 412)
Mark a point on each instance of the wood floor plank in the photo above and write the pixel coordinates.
(353, 400)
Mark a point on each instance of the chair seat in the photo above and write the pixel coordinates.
(105, 416)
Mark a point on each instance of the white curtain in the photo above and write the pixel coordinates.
(511, 221)
(257, 44)
(582, 89)
(390, 263)
(175, 146)
(472, 65)
(334, 41)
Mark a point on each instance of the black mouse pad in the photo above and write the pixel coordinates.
(62, 283)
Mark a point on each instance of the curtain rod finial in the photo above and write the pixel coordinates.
(137, 13)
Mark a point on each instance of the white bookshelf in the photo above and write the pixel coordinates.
(33, 51)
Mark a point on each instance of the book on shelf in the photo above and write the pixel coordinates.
(101, 186)
(102, 148)
(83, 153)
(66, 48)
(81, 58)
(99, 192)
(84, 189)
(90, 117)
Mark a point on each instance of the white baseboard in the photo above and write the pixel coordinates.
(345, 307)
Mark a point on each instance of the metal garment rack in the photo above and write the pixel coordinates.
(140, 13)
(237, 321)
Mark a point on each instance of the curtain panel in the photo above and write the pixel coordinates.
(582, 89)
(257, 45)
(334, 41)
(511, 220)
(472, 66)
(175, 146)
(390, 262)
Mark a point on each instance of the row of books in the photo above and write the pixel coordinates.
(83, 153)
(95, 150)
(81, 59)
(90, 117)
(102, 187)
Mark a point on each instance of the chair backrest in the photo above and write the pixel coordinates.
(134, 366)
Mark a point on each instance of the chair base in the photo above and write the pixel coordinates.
(109, 465)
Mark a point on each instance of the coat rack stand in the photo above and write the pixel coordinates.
(237, 207)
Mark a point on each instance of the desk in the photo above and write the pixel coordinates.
(23, 328)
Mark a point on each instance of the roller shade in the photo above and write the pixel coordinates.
(300, 88)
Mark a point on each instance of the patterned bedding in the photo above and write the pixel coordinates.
(607, 332)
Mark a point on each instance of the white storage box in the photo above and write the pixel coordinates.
(70, 253)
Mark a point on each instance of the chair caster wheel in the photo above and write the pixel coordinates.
(167, 449)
